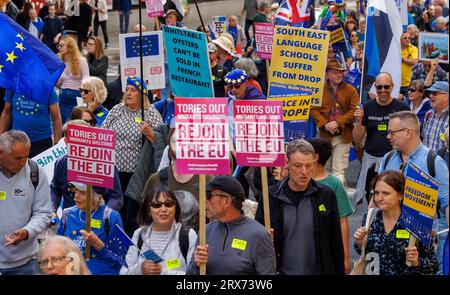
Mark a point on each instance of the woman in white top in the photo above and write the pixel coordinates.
(100, 18)
(76, 70)
(161, 235)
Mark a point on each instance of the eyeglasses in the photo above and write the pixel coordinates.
(209, 195)
(91, 122)
(435, 92)
(167, 204)
(412, 90)
(406, 38)
(392, 132)
(235, 86)
(379, 87)
(85, 91)
(56, 260)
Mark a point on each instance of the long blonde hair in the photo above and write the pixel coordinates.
(74, 55)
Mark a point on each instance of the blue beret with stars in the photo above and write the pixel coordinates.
(235, 77)
(136, 82)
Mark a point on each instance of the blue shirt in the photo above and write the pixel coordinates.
(29, 116)
(419, 158)
(167, 110)
(100, 263)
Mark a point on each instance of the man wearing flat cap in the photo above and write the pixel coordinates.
(335, 116)
(235, 244)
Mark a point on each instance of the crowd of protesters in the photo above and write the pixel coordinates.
(158, 207)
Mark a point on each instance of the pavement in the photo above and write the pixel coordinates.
(227, 7)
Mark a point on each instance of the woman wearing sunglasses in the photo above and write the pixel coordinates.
(418, 103)
(159, 237)
(94, 93)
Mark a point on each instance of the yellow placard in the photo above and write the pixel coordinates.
(95, 223)
(295, 108)
(2, 196)
(402, 234)
(239, 244)
(420, 198)
(173, 263)
(138, 119)
(322, 208)
(299, 58)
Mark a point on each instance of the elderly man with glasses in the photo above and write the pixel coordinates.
(403, 134)
(371, 122)
(235, 244)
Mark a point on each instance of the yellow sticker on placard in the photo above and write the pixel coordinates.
(2, 196)
(239, 244)
(402, 234)
(138, 119)
(95, 223)
(100, 114)
(174, 263)
(382, 127)
(322, 208)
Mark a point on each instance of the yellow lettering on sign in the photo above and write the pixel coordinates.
(173, 263)
(239, 244)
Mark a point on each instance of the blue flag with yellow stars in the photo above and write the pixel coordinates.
(118, 244)
(150, 46)
(27, 66)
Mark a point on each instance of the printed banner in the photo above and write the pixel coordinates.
(187, 55)
(91, 155)
(433, 46)
(153, 58)
(299, 58)
(202, 134)
(296, 100)
(155, 8)
(295, 130)
(259, 134)
(337, 38)
(47, 158)
(419, 203)
(264, 40)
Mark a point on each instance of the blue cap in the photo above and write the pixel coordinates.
(439, 86)
(136, 82)
(235, 77)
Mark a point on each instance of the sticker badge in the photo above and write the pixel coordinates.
(2, 196)
(239, 244)
(322, 208)
(382, 127)
(174, 263)
(138, 119)
(20, 192)
(402, 234)
(95, 223)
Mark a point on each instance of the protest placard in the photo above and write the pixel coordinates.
(46, 160)
(91, 155)
(153, 58)
(190, 73)
(202, 134)
(337, 38)
(219, 25)
(296, 100)
(433, 46)
(264, 40)
(295, 130)
(419, 203)
(299, 57)
(154, 8)
(259, 134)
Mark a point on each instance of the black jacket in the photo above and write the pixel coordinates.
(327, 226)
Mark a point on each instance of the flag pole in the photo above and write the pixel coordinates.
(363, 65)
(88, 218)
(200, 16)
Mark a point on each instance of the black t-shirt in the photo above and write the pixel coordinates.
(218, 81)
(293, 195)
(376, 119)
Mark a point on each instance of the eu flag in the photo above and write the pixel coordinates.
(150, 46)
(27, 66)
(118, 244)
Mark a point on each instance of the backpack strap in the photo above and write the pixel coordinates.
(164, 176)
(140, 241)
(106, 217)
(219, 73)
(34, 173)
(388, 158)
(431, 157)
(183, 240)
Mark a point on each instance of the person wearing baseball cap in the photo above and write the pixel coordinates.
(335, 116)
(235, 244)
(103, 219)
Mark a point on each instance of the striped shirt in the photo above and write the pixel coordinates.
(158, 241)
(434, 129)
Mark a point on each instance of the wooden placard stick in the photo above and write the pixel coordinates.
(265, 192)
(202, 217)
(88, 218)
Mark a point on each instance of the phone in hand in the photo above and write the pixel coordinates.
(152, 256)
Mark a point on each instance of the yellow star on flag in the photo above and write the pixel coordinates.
(19, 36)
(74, 232)
(10, 56)
(20, 46)
(1, 66)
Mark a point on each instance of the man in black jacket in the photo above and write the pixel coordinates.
(305, 219)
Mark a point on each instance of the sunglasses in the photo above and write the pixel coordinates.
(85, 91)
(379, 87)
(406, 38)
(91, 122)
(435, 92)
(167, 204)
(412, 90)
(236, 86)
